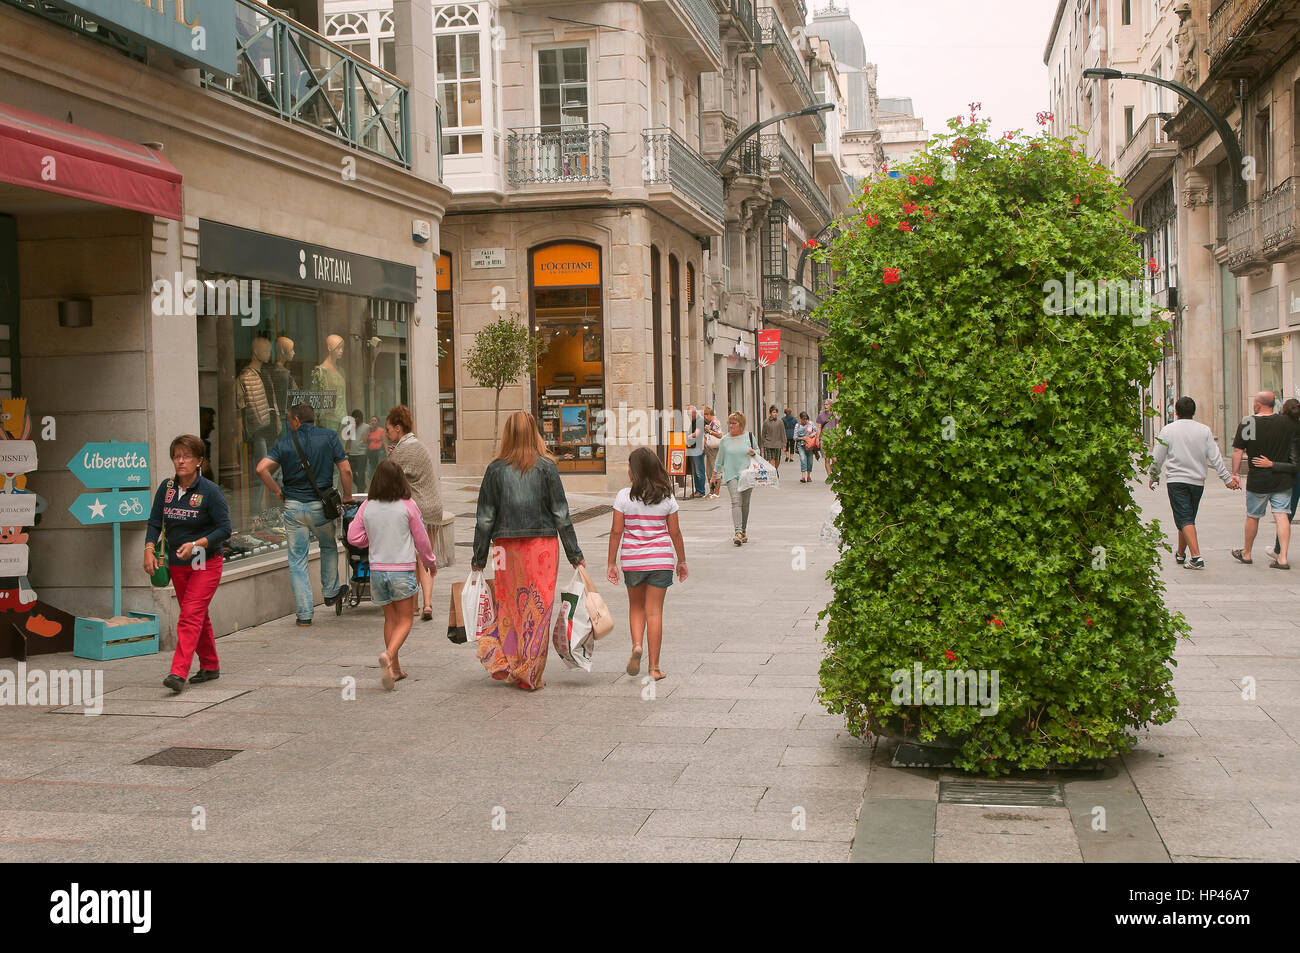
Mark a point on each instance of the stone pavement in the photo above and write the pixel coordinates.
(732, 759)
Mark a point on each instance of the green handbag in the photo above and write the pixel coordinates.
(160, 578)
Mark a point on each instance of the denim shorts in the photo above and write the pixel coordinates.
(395, 585)
(659, 578)
(1185, 500)
(1257, 503)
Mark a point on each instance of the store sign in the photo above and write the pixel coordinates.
(243, 253)
(13, 559)
(318, 399)
(111, 506)
(487, 258)
(201, 32)
(17, 509)
(566, 266)
(442, 274)
(99, 465)
(769, 346)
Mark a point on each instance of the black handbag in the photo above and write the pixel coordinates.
(331, 501)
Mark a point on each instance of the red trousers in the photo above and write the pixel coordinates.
(194, 590)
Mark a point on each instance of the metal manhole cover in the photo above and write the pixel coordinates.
(189, 757)
(467, 515)
(465, 544)
(1002, 793)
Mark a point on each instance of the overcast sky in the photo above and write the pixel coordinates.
(947, 53)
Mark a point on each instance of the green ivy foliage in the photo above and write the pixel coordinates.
(983, 453)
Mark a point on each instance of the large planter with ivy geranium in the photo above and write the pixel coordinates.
(988, 431)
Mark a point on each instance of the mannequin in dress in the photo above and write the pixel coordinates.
(327, 376)
(255, 396)
(283, 379)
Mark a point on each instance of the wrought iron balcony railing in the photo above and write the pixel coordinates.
(1243, 236)
(1149, 135)
(1277, 216)
(705, 19)
(782, 160)
(745, 13)
(774, 36)
(551, 155)
(286, 69)
(84, 25)
(1227, 24)
(776, 293)
(671, 161)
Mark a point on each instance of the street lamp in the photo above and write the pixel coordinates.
(735, 144)
(1230, 141)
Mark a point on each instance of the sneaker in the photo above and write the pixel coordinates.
(1180, 558)
(737, 539)
(343, 591)
(175, 683)
(303, 621)
(1196, 563)
(205, 675)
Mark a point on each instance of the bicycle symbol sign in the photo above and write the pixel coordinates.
(111, 506)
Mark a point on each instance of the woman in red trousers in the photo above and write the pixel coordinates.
(198, 522)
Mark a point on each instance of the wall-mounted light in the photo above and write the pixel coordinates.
(75, 313)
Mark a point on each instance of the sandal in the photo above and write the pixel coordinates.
(1180, 558)
(1236, 554)
(386, 672)
(1277, 565)
(634, 663)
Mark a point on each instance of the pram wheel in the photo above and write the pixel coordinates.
(338, 607)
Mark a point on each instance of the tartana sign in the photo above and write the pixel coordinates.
(201, 32)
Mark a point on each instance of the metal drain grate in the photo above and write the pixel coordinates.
(591, 513)
(1002, 793)
(189, 757)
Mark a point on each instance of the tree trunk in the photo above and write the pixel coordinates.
(496, 420)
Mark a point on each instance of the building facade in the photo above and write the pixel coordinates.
(192, 247)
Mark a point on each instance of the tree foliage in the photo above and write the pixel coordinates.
(502, 351)
(983, 453)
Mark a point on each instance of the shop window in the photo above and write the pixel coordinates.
(343, 354)
(460, 92)
(569, 382)
(1270, 365)
(446, 362)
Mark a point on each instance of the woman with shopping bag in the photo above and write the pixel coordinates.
(521, 509)
(734, 456)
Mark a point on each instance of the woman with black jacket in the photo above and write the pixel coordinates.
(521, 509)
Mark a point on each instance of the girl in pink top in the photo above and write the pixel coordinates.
(390, 524)
(645, 523)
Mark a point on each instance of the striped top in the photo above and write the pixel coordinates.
(646, 544)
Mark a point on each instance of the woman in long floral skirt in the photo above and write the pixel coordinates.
(521, 510)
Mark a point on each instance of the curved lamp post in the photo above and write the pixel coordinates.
(735, 144)
(1230, 141)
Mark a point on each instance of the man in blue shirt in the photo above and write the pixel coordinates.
(790, 421)
(304, 515)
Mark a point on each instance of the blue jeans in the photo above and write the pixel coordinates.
(805, 459)
(303, 521)
(697, 465)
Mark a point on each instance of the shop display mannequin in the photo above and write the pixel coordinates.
(328, 378)
(255, 396)
(283, 379)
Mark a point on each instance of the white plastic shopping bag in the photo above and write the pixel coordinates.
(572, 635)
(830, 533)
(758, 473)
(476, 606)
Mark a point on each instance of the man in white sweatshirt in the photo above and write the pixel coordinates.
(1186, 446)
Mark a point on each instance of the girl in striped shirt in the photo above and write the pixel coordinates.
(645, 522)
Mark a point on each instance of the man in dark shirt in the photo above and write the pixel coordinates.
(304, 515)
(790, 421)
(1267, 439)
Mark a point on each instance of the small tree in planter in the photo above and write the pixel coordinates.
(988, 425)
(501, 352)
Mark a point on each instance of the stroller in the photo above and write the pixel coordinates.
(358, 563)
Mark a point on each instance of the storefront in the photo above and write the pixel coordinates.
(329, 330)
(569, 381)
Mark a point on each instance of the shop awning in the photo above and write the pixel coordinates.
(42, 153)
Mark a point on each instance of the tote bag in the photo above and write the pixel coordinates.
(476, 606)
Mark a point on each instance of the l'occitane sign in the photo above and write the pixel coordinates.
(566, 265)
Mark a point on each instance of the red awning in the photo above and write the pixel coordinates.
(42, 153)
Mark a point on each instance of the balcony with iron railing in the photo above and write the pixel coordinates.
(795, 182)
(1245, 248)
(1147, 157)
(1277, 220)
(774, 38)
(671, 162)
(1232, 24)
(787, 303)
(742, 15)
(694, 23)
(558, 155)
(285, 69)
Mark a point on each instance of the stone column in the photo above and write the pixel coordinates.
(1200, 356)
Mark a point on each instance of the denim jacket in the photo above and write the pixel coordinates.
(513, 504)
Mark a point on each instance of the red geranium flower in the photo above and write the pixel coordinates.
(891, 276)
(904, 227)
(926, 180)
(811, 243)
(875, 346)
(959, 120)
(1153, 265)
(872, 221)
(926, 212)
(912, 180)
(948, 653)
(1040, 388)
(1076, 200)
(1089, 621)
(995, 621)
(909, 207)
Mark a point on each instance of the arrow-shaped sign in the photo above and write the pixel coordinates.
(105, 465)
(111, 506)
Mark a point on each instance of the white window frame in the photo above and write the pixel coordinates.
(471, 23)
